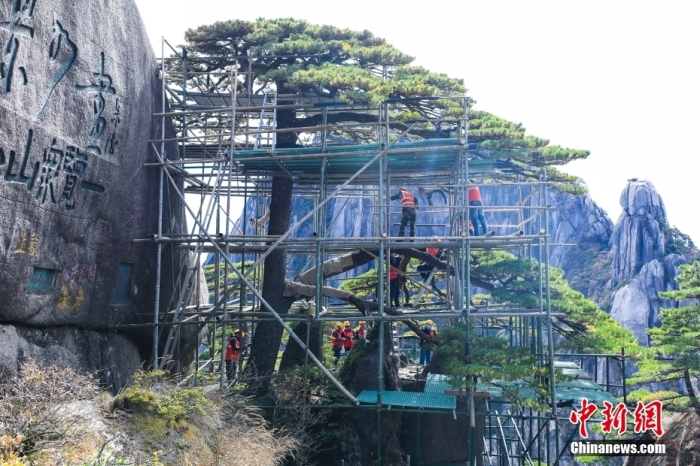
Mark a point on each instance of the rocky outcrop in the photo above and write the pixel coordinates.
(573, 219)
(442, 438)
(631, 308)
(638, 235)
(637, 305)
(113, 358)
(681, 440)
(358, 446)
(640, 267)
(78, 91)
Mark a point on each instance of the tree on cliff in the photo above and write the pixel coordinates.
(289, 56)
(677, 342)
(580, 325)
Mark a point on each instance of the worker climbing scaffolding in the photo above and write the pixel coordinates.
(409, 206)
(427, 345)
(233, 355)
(361, 331)
(476, 211)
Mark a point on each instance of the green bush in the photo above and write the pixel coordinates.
(170, 402)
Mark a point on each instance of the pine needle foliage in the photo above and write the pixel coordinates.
(676, 344)
(583, 326)
(295, 56)
(580, 326)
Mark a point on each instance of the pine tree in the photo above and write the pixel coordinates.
(294, 56)
(580, 326)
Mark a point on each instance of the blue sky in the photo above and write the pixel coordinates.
(619, 78)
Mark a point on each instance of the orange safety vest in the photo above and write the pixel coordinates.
(393, 273)
(349, 335)
(432, 251)
(474, 193)
(359, 333)
(407, 199)
(335, 337)
(231, 354)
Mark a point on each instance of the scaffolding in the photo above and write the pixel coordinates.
(225, 151)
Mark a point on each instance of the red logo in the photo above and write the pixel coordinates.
(582, 415)
(646, 417)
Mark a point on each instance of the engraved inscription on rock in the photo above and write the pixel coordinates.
(77, 92)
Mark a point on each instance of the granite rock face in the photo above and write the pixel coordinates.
(574, 220)
(640, 263)
(638, 237)
(79, 88)
(632, 309)
(112, 357)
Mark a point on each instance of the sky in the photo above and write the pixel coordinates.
(618, 78)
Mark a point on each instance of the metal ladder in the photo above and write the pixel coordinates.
(509, 447)
(417, 297)
(267, 122)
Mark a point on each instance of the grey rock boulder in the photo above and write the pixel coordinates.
(640, 262)
(77, 98)
(638, 235)
(631, 308)
(113, 358)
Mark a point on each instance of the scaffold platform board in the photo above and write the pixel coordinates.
(575, 390)
(410, 399)
(436, 156)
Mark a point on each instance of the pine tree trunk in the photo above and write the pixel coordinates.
(293, 355)
(268, 334)
(286, 118)
(689, 386)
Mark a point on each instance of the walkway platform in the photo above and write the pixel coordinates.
(410, 399)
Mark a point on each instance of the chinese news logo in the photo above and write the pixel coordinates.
(646, 417)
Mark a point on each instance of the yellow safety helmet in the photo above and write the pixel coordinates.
(428, 322)
(347, 324)
(339, 325)
(362, 322)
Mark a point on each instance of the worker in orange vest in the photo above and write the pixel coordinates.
(409, 205)
(394, 263)
(361, 332)
(337, 342)
(233, 354)
(476, 210)
(348, 336)
(426, 269)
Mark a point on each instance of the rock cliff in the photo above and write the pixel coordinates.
(78, 89)
(580, 230)
(642, 265)
(638, 236)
